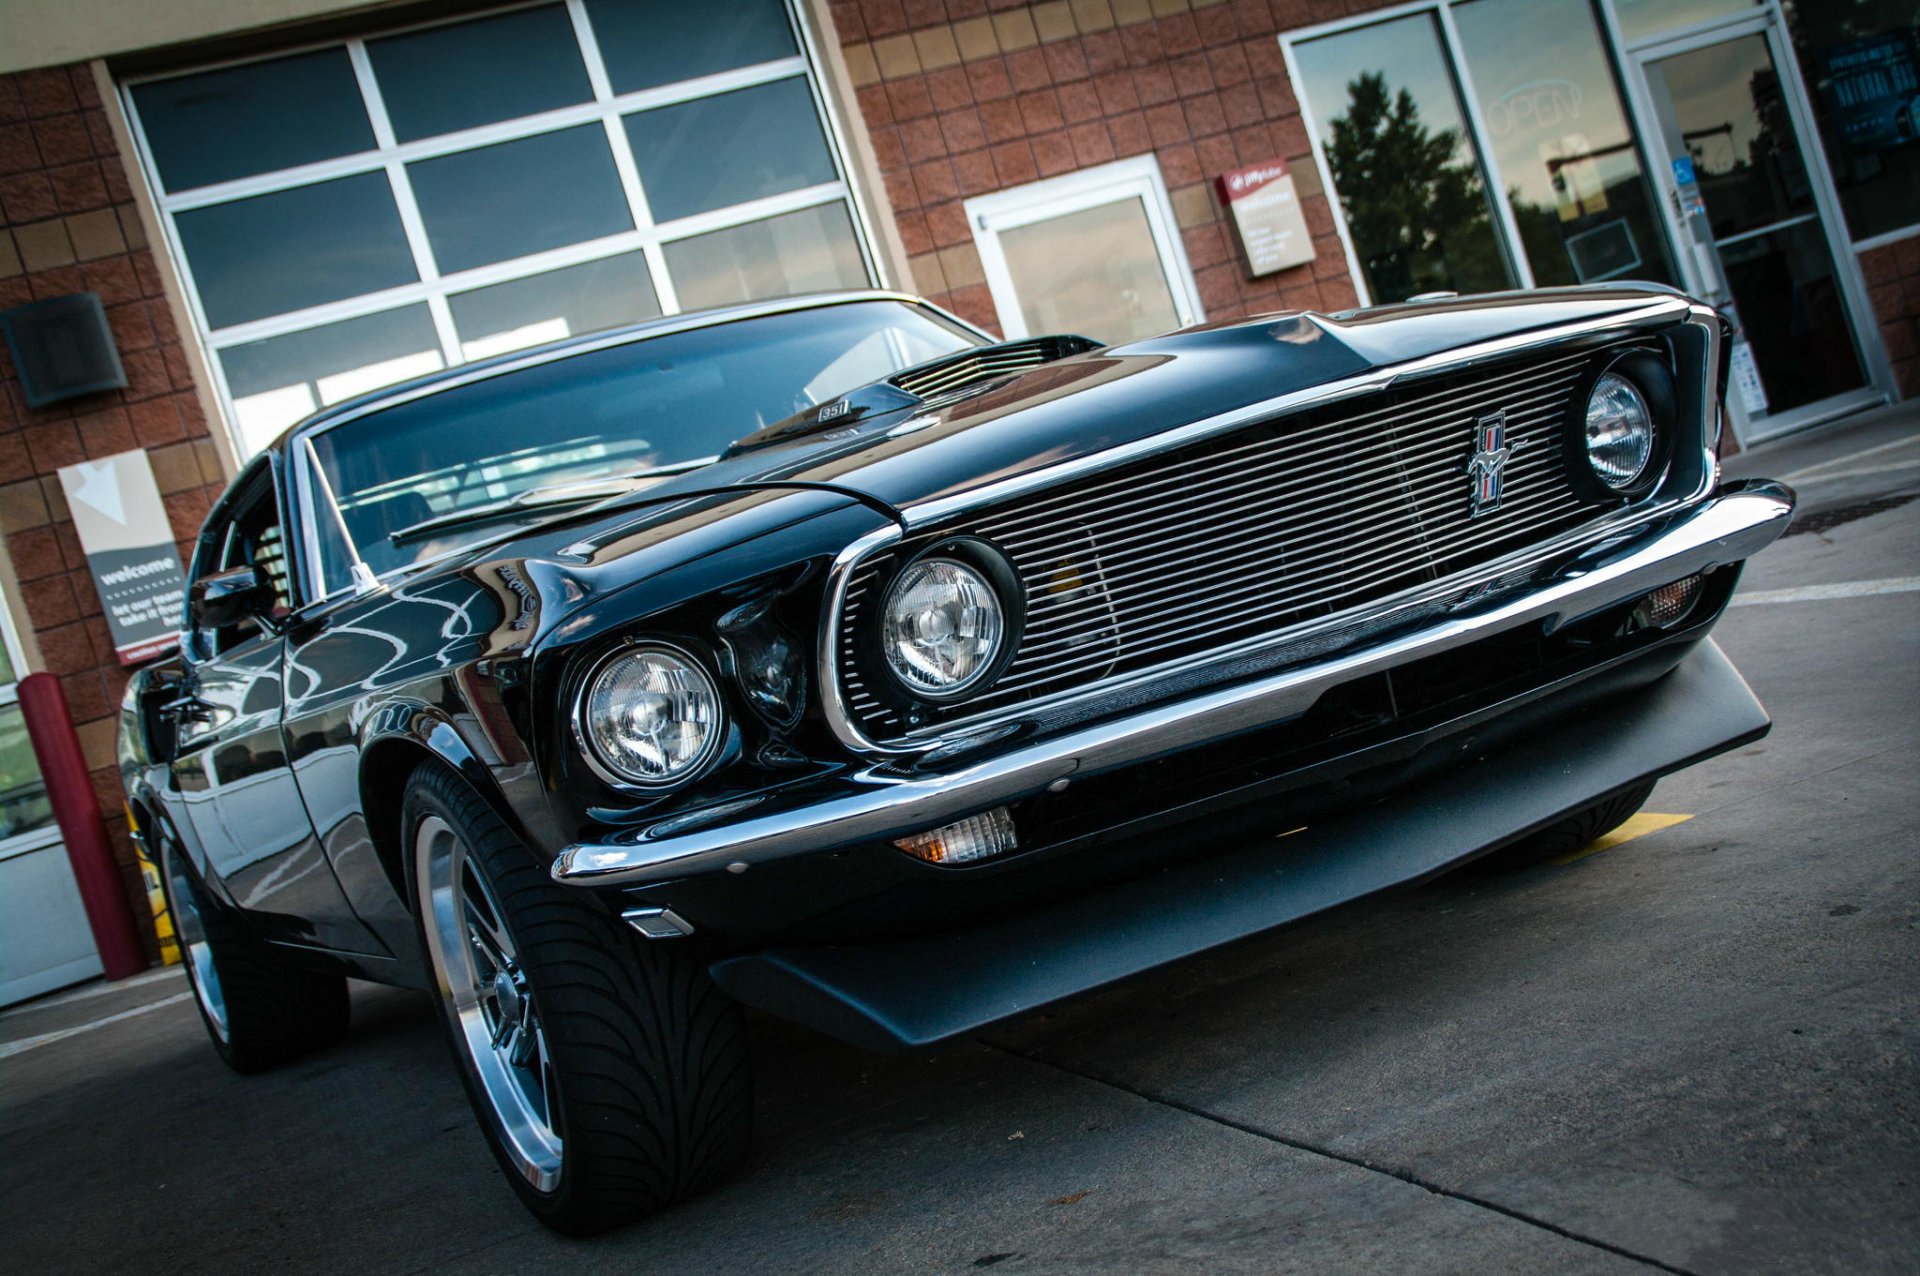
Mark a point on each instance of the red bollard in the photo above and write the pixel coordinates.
(77, 810)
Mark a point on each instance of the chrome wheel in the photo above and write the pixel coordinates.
(190, 930)
(477, 966)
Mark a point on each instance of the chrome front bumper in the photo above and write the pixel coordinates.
(884, 802)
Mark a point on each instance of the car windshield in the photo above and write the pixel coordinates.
(420, 478)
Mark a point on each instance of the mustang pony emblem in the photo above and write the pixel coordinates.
(1490, 457)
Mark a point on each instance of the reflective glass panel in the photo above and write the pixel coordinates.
(651, 42)
(1793, 315)
(812, 250)
(1726, 102)
(1861, 59)
(603, 414)
(473, 73)
(1556, 125)
(221, 125)
(280, 380)
(717, 151)
(297, 248)
(560, 303)
(1642, 18)
(7, 674)
(519, 197)
(1397, 146)
(1096, 272)
(23, 794)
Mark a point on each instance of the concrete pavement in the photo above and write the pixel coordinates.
(1695, 1051)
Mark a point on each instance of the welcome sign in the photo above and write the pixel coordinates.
(128, 540)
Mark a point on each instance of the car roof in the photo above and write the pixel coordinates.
(530, 356)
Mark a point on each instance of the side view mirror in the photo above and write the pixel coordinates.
(229, 597)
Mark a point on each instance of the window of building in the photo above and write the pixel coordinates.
(1392, 130)
(1861, 60)
(1558, 130)
(349, 215)
(1095, 252)
(1420, 117)
(26, 816)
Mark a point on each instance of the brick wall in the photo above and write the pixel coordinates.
(1893, 284)
(68, 224)
(962, 97)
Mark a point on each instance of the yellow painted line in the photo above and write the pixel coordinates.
(1638, 826)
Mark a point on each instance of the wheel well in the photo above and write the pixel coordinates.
(385, 769)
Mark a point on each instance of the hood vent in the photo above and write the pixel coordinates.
(943, 377)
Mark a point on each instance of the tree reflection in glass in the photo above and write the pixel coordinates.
(1396, 144)
(1415, 206)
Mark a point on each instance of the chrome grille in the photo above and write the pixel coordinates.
(1283, 522)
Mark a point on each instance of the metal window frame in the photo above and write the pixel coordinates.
(32, 839)
(390, 157)
(1017, 206)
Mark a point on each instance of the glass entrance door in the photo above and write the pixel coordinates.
(1752, 215)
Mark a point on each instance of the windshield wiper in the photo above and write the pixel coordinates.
(576, 492)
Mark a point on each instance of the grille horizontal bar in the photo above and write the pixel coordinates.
(1280, 523)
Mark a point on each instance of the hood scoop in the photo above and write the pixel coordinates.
(943, 377)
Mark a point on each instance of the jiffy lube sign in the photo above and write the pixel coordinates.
(123, 528)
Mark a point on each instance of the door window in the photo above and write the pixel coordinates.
(249, 536)
(1724, 115)
(26, 816)
(1095, 253)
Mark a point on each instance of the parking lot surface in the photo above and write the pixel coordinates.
(1694, 1050)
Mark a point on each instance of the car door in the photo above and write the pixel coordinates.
(230, 760)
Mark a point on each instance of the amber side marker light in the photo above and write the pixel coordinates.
(977, 837)
(1669, 604)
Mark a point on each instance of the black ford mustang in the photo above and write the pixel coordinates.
(825, 657)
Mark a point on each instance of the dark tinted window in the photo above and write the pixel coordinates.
(473, 73)
(728, 149)
(519, 197)
(667, 399)
(220, 125)
(647, 43)
(292, 249)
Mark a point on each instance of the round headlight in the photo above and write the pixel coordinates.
(943, 627)
(652, 716)
(1619, 432)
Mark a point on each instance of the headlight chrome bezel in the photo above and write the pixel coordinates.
(1002, 581)
(1648, 376)
(590, 748)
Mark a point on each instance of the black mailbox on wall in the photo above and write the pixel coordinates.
(62, 348)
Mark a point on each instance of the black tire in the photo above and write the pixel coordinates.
(1573, 832)
(642, 1064)
(259, 1011)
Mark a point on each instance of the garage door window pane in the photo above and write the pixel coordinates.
(647, 43)
(812, 250)
(450, 78)
(519, 197)
(283, 379)
(293, 249)
(560, 303)
(1396, 146)
(223, 125)
(717, 151)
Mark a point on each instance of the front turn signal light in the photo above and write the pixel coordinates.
(967, 841)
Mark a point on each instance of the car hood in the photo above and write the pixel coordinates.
(899, 453)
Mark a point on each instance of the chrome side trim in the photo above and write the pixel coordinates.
(1726, 529)
(842, 719)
